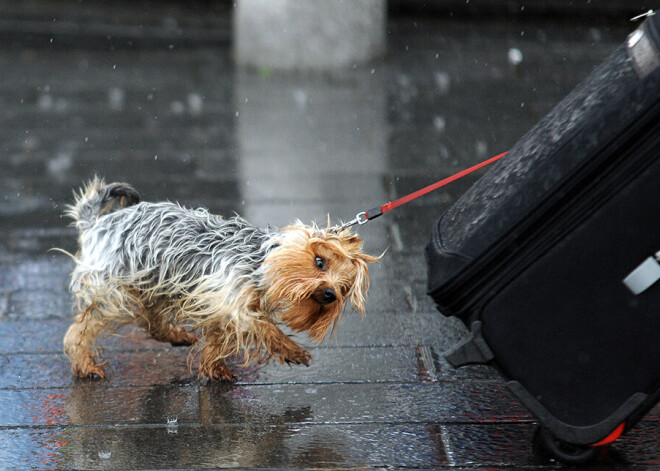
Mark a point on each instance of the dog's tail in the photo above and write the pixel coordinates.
(97, 198)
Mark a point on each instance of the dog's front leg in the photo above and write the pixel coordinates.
(280, 346)
(212, 363)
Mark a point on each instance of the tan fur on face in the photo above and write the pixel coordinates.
(296, 279)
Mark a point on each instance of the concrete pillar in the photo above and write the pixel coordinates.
(308, 34)
(309, 145)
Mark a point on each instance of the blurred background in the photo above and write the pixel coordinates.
(275, 109)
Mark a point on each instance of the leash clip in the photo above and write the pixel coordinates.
(360, 218)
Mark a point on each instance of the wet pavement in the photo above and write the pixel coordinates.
(170, 114)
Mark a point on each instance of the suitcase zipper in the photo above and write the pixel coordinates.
(587, 190)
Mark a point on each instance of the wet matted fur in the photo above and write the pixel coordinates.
(190, 277)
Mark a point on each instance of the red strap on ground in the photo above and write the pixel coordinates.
(406, 199)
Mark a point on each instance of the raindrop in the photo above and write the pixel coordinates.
(439, 123)
(195, 104)
(481, 147)
(116, 98)
(105, 455)
(60, 164)
(514, 56)
(172, 425)
(177, 107)
(45, 102)
(300, 97)
(442, 81)
(444, 152)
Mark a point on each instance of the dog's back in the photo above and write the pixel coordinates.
(97, 198)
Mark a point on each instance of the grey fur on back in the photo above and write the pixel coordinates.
(164, 242)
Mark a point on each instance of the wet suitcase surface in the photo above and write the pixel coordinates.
(534, 255)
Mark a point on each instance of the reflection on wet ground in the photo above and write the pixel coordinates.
(181, 123)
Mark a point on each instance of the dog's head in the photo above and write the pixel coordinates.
(313, 273)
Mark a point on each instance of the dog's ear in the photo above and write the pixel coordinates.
(358, 292)
(353, 245)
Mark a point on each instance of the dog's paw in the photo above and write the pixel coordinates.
(183, 338)
(95, 376)
(219, 373)
(93, 372)
(87, 369)
(300, 357)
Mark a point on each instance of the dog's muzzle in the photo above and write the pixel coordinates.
(326, 296)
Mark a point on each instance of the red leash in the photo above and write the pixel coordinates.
(363, 217)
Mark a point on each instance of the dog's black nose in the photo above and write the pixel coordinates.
(329, 296)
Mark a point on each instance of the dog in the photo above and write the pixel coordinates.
(193, 278)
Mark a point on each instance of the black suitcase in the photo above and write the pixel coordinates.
(551, 257)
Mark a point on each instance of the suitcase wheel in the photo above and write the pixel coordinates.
(561, 450)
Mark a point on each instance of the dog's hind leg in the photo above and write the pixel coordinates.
(78, 345)
(155, 320)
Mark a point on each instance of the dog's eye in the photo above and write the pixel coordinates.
(320, 263)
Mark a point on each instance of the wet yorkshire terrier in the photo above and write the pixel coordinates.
(189, 277)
